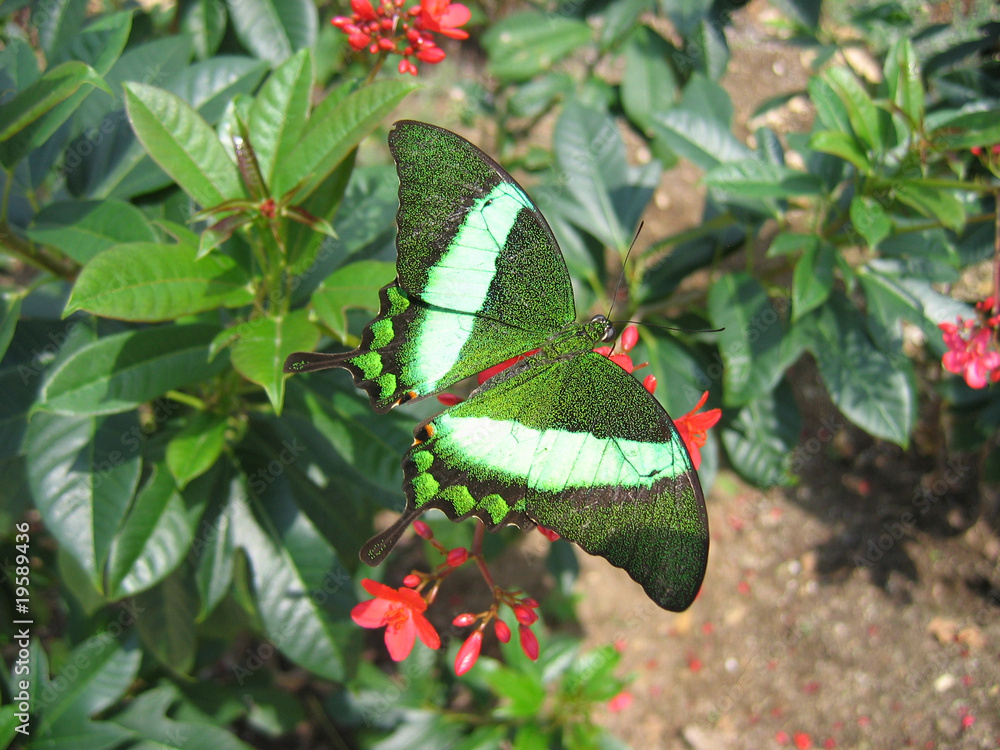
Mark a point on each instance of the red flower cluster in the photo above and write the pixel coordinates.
(401, 611)
(391, 29)
(973, 351)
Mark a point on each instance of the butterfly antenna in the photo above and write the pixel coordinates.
(621, 276)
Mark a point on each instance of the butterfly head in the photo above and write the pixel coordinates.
(604, 327)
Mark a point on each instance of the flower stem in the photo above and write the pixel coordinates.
(477, 552)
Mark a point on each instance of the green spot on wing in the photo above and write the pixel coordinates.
(459, 497)
(382, 333)
(370, 363)
(398, 302)
(496, 506)
(425, 487)
(387, 383)
(423, 460)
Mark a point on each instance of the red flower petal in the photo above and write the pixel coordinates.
(400, 637)
(468, 653)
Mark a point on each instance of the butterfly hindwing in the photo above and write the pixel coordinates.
(578, 446)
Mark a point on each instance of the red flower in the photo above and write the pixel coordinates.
(401, 613)
(529, 643)
(620, 702)
(693, 428)
(444, 17)
(972, 351)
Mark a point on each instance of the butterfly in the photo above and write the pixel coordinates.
(564, 438)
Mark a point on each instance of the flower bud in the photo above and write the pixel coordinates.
(630, 337)
(524, 615)
(502, 631)
(464, 620)
(412, 580)
(528, 642)
(457, 556)
(422, 529)
(468, 653)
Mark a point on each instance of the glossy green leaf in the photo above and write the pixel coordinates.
(608, 196)
(213, 546)
(862, 380)
(58, 24)
(965, 129)
(620, 20)
(862, 113)
(148, 281)
(292, 567)
(211, 85)
(41, 96)
(751, 340)
(335, 129)
(167, 627)
(95, 675)
(119, 372)
(193, 450)
(204, 22)
(149, 716)
(830, 110)
(530, 42)
(182, 144)
(82, 229)
(82, 473)
(902, 77)
(649, 82)
(10, 311)
(264, 344)
(812, 279)
(934, 202)
(279, 112)
(711, 52)
(274, 30)
(754, 178)
(353, 286)
(844, 145)
(761, 437)
(155, 536)
(869, 217)
(704, 141)
(536, 96)
(27, 109)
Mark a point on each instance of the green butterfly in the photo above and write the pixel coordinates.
(563, 438)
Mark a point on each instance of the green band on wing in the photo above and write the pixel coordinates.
(460, 280)
(554, 460)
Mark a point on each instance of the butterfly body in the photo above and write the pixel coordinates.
(564, 437)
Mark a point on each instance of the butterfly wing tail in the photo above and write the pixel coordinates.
(312, 361)
(375, 549)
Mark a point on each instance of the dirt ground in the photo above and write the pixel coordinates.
(859, 609)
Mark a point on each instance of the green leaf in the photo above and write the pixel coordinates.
(869, 217)
(761, 437)
(526, 44)
(10, 311)
(704, 141)
(862, 113)
(182, 144)
(754, 178)
(751, 340)
(649, 83)
(536, 96)
(147, 715)
(213, 545)
(204, 22)
(279, 112)
(155, 536)
(352, 286)
(41, 96)
(902, 77)
(292, 567)
(843, 145)
(523, 693)
(95, 675)
(935, 202)
(119, 372)
(167, 628)
(708, 43)
(264, 344)
(82, 473)
(619, 21)
(965, 129)
(82, 229)
(608, 196)
(274, 30)
(830, 110)
(335, 129)
(862, 380)
(149, 281)
(193, 450)
(812, 279)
